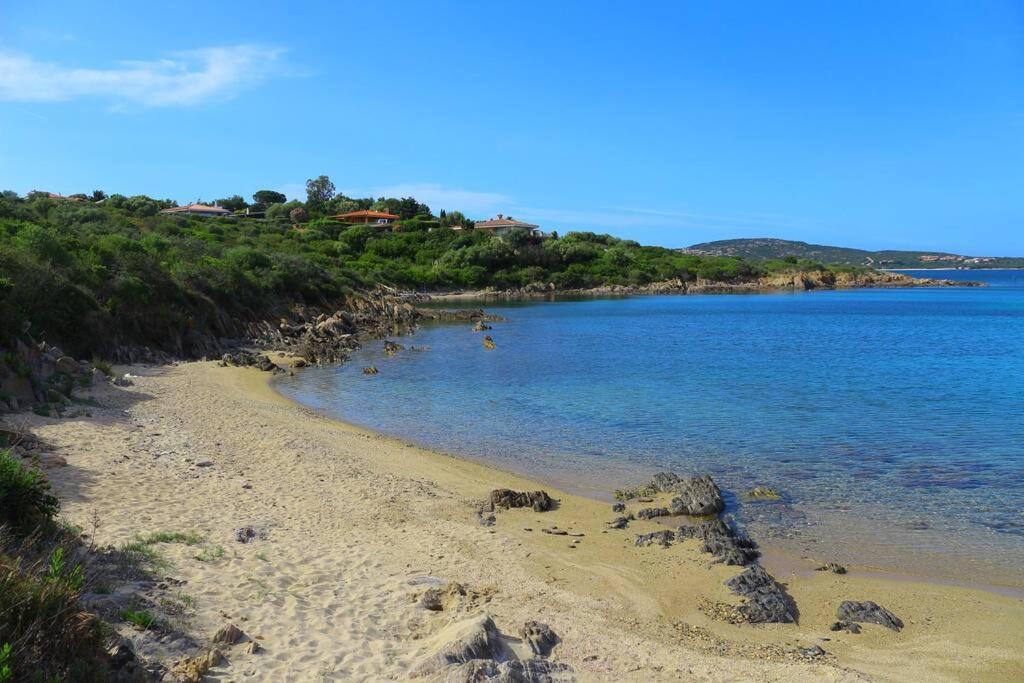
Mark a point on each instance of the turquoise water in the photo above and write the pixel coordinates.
(892, 420)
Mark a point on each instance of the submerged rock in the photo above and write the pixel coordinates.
(721, 540)
(391, 348)
(370, 370)
(489, 343)
(765, 601)
(833, 567)
(481, 326)
(540, 501)
(868, 612)
(763, 493)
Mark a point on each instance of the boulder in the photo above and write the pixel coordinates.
(535, 670)
(765, 601)
(489, 343)
(618, 507)
(868, 612)
(481, 326)
(473, 638)
(194, 669)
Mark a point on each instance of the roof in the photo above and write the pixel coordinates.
(196, 208)
(504, 222)
(366, 214)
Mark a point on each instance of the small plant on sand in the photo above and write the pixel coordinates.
(103, 366)
(140, 551)
(142, 618)
(210, 553)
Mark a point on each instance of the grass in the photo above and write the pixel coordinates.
(210, 553)
(103, 366)
(140, 551)
(142, 618)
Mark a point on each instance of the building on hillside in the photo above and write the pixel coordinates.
(502, 225)
(197, 210)
(54, 195)
(365, 217)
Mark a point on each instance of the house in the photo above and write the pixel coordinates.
(375, 217)
(502, 225)
(197, 210)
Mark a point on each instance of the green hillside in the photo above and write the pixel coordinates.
(768, 248)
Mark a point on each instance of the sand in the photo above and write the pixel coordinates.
(355, 522)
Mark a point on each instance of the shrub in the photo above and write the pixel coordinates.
(42, 626)
(25, 497)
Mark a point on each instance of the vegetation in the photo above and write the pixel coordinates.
(769, 249)
(94, 276)
(25, 498)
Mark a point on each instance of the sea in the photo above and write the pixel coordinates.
(891, 421)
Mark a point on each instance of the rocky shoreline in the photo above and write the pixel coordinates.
(802, 281)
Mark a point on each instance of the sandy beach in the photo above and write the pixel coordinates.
(357, 524)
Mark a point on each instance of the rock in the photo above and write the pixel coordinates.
(662, 538)
(540, 637)
(247, 534)
(229, 634)
(618, 507)
(441, 598)
(765, 601)
(473, 638)
(814, 651)
(535, 670)
(619, 523)
(697, 496)
(540, 501)
(120, 655)
(489, 343)
(370, 370)
(719, 538)
(299, 362)
(868, 612)
(252, 647)
(193, 669)
(391, 348)
(832, 567)
(651, 513)
(481, 326)
(204, 463)
(763, 493)
(66, 365)
(122, 381)
(849, 626)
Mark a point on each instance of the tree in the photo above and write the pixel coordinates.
(319, 191)
(232, 203)
(298, 215)
(98, 195)
(268, 197)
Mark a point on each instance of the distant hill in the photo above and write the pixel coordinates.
(767, 248)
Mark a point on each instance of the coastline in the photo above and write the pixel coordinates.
(352, 517)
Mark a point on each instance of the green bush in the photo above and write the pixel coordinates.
(25, 497)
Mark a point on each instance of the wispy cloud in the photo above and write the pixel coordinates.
(440, 197)
(182, 79)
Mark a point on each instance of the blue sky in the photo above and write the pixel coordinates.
(871, 124)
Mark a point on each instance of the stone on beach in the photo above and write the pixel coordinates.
(663, 538)
(540, 501)
(721, 540)
(540, 637)
(868, 612)
(765, 601)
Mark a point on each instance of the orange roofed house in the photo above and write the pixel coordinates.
(502, 225)
(197, 210)
(375, 217)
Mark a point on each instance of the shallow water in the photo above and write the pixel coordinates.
(891, 420)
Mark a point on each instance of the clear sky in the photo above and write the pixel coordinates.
(888, 124)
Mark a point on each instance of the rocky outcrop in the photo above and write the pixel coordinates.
(540, 501)
(765, 602)
(460, 315)
(247, 359)
(720, 539)
(35, 375)
(475, 650)
(695, 495)
(868, 612)
(661, 538)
